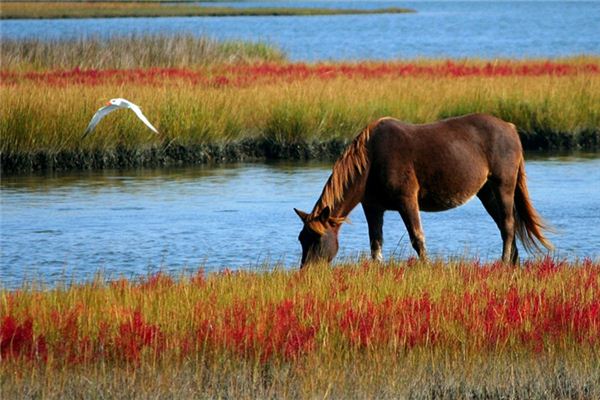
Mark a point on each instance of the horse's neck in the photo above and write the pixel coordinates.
(344, 188)
(341, 200)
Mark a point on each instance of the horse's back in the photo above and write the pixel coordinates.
(468, 137)
(447, 161)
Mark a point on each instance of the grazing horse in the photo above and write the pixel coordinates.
(392, 165)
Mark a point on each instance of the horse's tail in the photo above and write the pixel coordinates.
(529, 224)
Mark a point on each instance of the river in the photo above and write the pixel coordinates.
(439, 29)
(126, 223)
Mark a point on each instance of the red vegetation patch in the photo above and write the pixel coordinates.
(496, 308)
(135, 336)
(246, 75)
(18, 341)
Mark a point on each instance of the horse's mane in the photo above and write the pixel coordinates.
(352, 163)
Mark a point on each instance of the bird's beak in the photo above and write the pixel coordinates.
(108, 103)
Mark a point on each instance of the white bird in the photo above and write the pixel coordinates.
(111, 106)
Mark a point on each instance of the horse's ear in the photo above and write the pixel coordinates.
(303, 216)
(324, 215)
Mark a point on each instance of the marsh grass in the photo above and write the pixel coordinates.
(40, 120)
(404, 329)
(237, 100)
(126, 52)
(414, 377)
(35, 9)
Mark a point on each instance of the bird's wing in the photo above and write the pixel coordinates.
(101, 113)
(141, 116)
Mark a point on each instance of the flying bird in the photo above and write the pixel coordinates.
(111, 106)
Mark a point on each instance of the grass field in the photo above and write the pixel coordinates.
(404, 329)
(36, 10)
(46, 112)
(228, 101)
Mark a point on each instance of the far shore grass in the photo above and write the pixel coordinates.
(42, 10)
(132, 51)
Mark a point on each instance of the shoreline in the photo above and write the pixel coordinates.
(67, 10)
(245, 150)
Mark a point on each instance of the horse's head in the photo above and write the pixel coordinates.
(319, 236)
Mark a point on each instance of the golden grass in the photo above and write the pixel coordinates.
(38, 117)
(490, 331)
(202, 94)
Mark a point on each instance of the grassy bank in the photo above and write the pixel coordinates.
(404, 329)
(39, 10)
(228, 113)
(231, 101)
(128, 52)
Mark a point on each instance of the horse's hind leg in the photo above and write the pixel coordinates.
(409, 211)
(374, 217)
(502, 213)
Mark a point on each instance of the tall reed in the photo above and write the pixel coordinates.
(133, 51)
(50, 118)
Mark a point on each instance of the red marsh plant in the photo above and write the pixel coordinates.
(547, 307)
(269, 73)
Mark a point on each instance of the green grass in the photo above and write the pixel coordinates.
(37, 10)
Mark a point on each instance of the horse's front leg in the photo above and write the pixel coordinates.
(409, 211)
(374, 217)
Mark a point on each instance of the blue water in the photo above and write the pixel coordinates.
(131, 222)
(439, 29)
(239, 216)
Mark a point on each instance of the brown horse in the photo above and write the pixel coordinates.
(393, 165)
